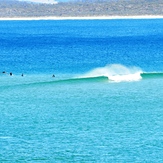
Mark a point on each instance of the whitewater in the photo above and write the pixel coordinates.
(81, 90)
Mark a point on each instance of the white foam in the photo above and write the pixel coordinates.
(129, 77)
(116, 73)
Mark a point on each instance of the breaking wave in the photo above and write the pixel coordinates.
(116, 73)
(109, 73)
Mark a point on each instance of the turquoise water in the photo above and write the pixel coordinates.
(104, 103)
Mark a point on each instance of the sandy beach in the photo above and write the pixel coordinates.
(85, 18)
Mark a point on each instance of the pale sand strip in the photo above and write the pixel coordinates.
(86, 18)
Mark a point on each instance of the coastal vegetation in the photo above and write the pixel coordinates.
(82, 8)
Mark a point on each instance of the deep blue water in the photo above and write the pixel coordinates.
(78, 46)
(104, 104)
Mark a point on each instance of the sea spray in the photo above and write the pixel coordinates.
(116, 73)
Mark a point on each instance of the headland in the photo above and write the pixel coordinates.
(87, 9)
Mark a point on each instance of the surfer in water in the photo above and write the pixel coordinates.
(53, 75)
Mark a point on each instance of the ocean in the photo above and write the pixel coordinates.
(81, 91)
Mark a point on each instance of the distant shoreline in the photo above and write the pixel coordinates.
(85, 17)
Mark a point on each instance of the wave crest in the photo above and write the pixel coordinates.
(116, 73)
